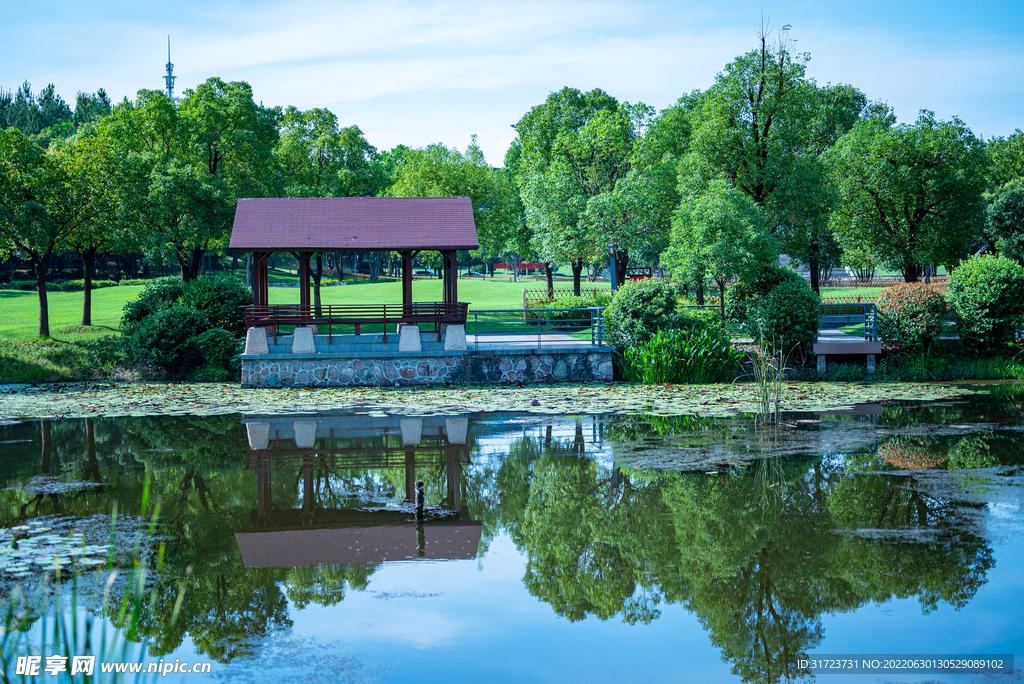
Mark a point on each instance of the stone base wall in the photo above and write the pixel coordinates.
(468, 369)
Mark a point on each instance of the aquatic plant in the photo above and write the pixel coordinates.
(700, 354)
(61, 634)
(768, 367)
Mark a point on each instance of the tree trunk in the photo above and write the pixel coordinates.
(721, 297)
(551, 280)
(190, 267)
(815, 274)
(88, 259)
(700, 295)
(45, 447)
(911, 272)
(317, 275)
(621, 263)
(234, 263)
(42, 264)
(577, 270)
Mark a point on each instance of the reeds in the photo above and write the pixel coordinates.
(63, 633)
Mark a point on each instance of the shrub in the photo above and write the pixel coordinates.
(221, 300)
(158, 295)
(910, 316)
(168, 339)
(699, 353)
(787, 314)
(638, 310)
(220, 350)
(987, 296)
(542, 310)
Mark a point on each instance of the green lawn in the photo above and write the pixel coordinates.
(866, 293)
(19, 312)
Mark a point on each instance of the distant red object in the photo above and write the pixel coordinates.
(532, 266)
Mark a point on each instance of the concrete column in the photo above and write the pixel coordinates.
(456, 429)
(256, 341)
(871, 364)
(412, 431)
(305, 433)
(455, 338)
(409, 339)
(302, 341)
(259, 435)
(821, 364)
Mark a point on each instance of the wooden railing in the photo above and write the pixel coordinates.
(417, 313)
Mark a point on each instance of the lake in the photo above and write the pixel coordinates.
(550, 548)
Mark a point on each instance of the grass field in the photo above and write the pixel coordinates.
(19, 311)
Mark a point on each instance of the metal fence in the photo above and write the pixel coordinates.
(852, 319)
(548, 326)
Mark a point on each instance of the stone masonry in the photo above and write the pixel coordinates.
(322, 370)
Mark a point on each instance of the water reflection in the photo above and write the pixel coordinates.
(327, 529)
(760, 535)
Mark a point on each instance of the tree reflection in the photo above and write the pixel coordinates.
(759, 553)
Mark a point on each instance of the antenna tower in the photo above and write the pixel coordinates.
(169, 78)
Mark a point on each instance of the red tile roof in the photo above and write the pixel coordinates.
(353, 224)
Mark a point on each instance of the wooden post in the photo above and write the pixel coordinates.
(407, 282)
(304, 281)
(454, 263)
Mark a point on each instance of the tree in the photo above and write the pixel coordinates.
(1007, 158)
(572, 149)
(1006, 219)
(719, 235)
(191, 160)
(89, 162)
(764, 126)
(43, 198)
(910, 194)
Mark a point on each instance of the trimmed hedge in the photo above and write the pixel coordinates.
(777, 306)
(638, 310)
(987, 295)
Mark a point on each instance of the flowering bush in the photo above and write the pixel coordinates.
(912, 453)
(910, 316)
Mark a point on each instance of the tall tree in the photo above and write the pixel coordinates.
(718, 235)
(572, 149)
(910, 194)
(89, 163)
(42, 201)
(192, 159)
(764, 125)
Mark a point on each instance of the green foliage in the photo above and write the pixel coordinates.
(777, 304)
(718, 235)
(159, 294)
(910, 194)
(789, 313)
(910, 316)
(987, 296)
(221, 300)
(638, 310)
(167, 339)
(1006, 219)
(220, 349)
(701, 353)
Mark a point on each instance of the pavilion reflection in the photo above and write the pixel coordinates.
(303, 528)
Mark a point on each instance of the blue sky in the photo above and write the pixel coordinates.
(423, 72)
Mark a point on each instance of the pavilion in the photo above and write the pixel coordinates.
(304, 226)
